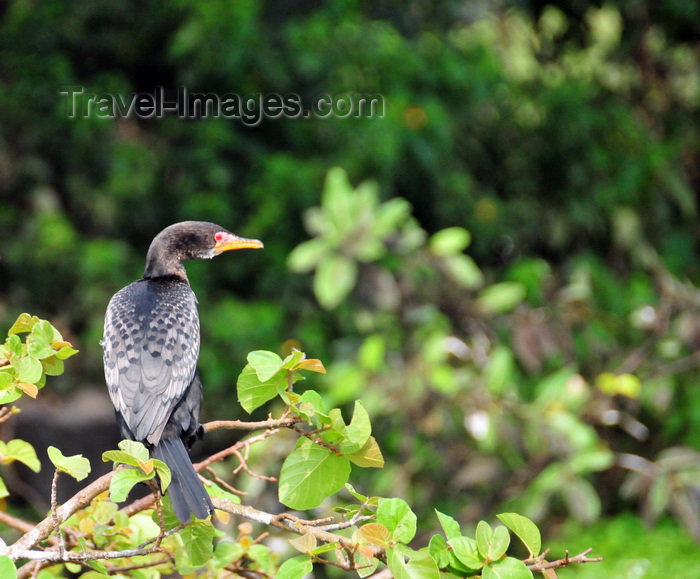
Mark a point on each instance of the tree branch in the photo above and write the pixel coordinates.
(543, 565)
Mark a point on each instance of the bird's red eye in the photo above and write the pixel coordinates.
(219, 237)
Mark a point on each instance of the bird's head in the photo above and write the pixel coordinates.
(190, 240)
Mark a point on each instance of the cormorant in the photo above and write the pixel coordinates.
(151, 347)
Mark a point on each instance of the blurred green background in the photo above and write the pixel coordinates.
(504, 267)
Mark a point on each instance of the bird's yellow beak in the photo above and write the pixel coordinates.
(228, 241)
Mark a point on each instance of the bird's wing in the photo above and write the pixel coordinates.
(151, 346)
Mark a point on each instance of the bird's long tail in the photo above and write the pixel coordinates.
(186, 491)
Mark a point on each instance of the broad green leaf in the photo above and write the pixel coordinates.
(24, 323)
(121, 457)
(7, 568)
(310, 474)
(360, 428)
(19, 450)
(498, 374)
(525, 529)
(369, 456)
(390, 217)
(508, 568)
(449, 241)
(130, 452)
(293, 359)
(335, 277)
(66, 352)
(252, 393)
(29, 369)
(463, 270)
(372, 352)
(52, 366)
(14, 344)
(124, 480)
(396, 515)
(10, 395)
(449, 525)
(586, 462)
(3, 491)
(365, 565)
(163, 472)
(467, 551)
(420, 565)
(76, 466)
(492, 543)
(266, 364)
(225, 553)
(198, 537)
(438, 551)
(6, 377)
(295, 568)
(306, 256)
(502, 297)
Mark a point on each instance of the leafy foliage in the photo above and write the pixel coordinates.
(97, 534)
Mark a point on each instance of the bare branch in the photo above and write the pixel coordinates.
(580, 558)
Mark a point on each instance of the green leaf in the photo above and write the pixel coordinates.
(449, 241)
(198, 537)
(24, 323)
(582, 500)
(30, 369)
(463, 270)
(397, 516)
(252, 393)
(266, 364)
(586, 462)
(19, 450)
(467, 552)
(306, 256)
(335, 277)
(360, 428)
(419, 566)
(293, 359)
(295, 568)
(369, 456)
(502, 297)
(508, 568)
(124, 480)
(499, 372)
(10, 395)
(226, 552)
(525, 529)
(7, 568)
(66, 352)
(449, 525)
(131, 452)
(76, 466)
(52, 366)
(492, 543)
(438, 551)
(3, 490)
(310, 474)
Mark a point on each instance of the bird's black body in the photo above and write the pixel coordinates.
(151, 346)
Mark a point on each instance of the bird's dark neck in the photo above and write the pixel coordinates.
(161, 263)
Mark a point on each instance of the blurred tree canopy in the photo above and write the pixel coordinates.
(557, 355)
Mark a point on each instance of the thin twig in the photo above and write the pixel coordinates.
(582, 558)
(54, 514)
